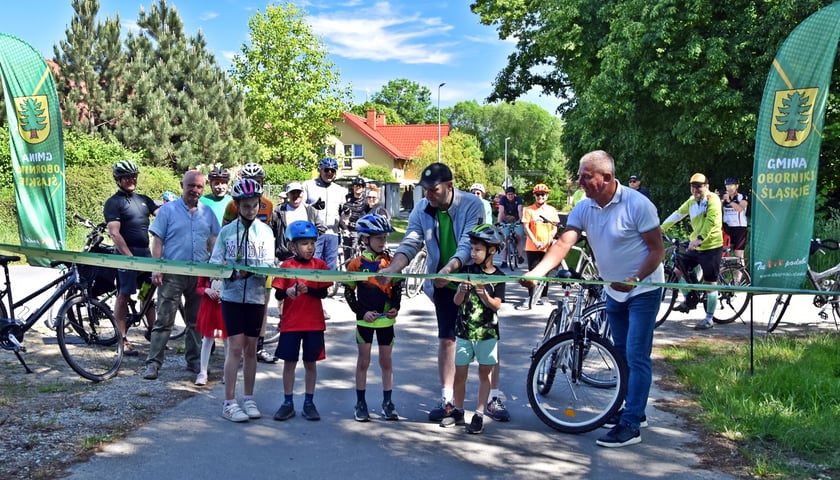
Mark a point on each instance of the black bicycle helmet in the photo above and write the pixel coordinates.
(488, 234)
(301, 229)
(328, 162)
(246, 188)
(252, 170)
(373, 224)
(125, 168)
(219, 173)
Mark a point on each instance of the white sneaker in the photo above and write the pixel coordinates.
(251, 409)
(201, 379)
(233, 413)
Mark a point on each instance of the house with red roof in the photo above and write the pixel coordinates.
(371, 141)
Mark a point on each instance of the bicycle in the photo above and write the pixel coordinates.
(138, 304)
(346, 252)
(825, 281)
(585, 266)
(87, 333)
(731, 304)
(510, 256)
(577, 379)
(414, 285)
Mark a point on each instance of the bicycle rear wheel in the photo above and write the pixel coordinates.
(580, 370)
(779, 308)
(89, 339)
(668, 301)
(732, 304)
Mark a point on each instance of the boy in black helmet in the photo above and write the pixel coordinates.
(477, 325)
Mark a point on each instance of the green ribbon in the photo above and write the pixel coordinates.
(148, 264)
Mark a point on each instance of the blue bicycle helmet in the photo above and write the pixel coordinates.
(373, 224)
(301, 229)
(169, 196)
(246, 188)
(328, 162)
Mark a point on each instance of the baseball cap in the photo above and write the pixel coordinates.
(294, 186)
(698, 178)
(633, 178)
(731, 181)
(434, 174)
(510, 190)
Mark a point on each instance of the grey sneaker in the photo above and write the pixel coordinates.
(455, 418)
(389, 411)
(285, 412)
(310, 412)
(704, 325)
(265, 356)
(361, 412)
(151, 372)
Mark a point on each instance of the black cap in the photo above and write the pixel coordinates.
(434, 174)
(510, 190)
(358, 181)
(731, 181)
(633, 178)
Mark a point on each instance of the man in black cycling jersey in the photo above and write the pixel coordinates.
(510, 211)
(127, 217)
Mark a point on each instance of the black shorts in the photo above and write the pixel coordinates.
(446, 311)
(384, 335)
(288, 346)
(709, 261)
(242, 318)
(737, 237)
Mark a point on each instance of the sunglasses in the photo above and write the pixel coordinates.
(329, 170)
(540, 194)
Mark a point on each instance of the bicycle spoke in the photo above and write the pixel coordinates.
(89, 338)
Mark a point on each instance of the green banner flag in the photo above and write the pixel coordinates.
(787, 149)
(37, 145)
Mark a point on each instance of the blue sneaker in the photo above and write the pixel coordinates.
(620, 436)
(440, 412)
(496, 410)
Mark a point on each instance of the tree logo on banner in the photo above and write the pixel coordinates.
(33, 118)
(794, 111)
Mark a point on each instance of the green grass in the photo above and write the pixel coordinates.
(784, 417)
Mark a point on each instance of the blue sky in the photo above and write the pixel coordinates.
(428, 42)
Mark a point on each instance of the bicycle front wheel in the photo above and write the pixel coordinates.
(89, 339)
(732, 304)
(779, 308)
(589, 378)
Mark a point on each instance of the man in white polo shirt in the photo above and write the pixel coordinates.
(622, 227)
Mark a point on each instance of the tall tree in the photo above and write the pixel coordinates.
(668, 89)
(461, 152)
(293, 89)
(410, 100)
(92, 65)
(180, 107)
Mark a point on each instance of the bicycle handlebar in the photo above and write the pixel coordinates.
(828, 244)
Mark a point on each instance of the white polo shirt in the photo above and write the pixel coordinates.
(615, 233)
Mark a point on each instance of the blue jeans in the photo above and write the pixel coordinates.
(326, 248)
(632, 324)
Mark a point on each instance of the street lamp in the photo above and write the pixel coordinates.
(506, 170)
(439, 87)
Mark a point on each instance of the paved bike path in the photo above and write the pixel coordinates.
(191, 440)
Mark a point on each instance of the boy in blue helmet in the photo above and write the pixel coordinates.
(376, 306)
(303, 319)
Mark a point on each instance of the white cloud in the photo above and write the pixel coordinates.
(381, 34)
(208, 16)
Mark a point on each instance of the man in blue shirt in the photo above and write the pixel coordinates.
(184, 230)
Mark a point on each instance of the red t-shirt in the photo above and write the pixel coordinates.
(303, 313)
